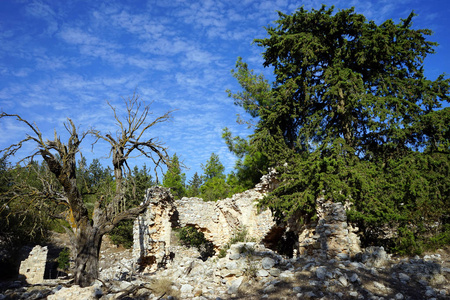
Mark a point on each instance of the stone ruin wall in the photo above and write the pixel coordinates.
(152, 230)
(331, 236)
(33, 268)
(220, 220)
(217, 220)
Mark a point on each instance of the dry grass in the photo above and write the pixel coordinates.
(164, 287)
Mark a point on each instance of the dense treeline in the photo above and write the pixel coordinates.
(27, 219)
(212, 185)
(351, 117)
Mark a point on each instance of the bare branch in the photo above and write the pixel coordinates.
(132, 128)
(12, 149)
(129, 214)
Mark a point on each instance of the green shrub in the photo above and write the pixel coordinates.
(439, 240)
(122, 234)
(64, 259)
(223, 252)
(191, 237)
(240, 235)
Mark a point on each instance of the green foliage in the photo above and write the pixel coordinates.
(24, 209)
(407, 243)
(214, 184)
(222, 252)
(174, 179)
(94, 181)
(251, 163)
(240, 235)
(350, 116)
(122, 234)
(213, 168)
(214, 189)
(439, 240)
(64, 259)
(137, 185)
(195, 183)
(339, 75)
(191, 237)
(24, 212)
(256, 96)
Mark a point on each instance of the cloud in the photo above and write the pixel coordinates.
(43, 11)
(140, 25)
(77, 36)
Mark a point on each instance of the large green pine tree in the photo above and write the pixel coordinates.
(354, 117)
(250, 165)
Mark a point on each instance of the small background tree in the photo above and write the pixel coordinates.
(174, 179)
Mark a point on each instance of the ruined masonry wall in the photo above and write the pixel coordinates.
(152, 230)
(331, 236)
(33, 268)
(219, 220)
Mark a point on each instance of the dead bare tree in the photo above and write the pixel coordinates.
(60, 157)
(129, 140)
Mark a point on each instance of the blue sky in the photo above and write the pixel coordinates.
(64, 59)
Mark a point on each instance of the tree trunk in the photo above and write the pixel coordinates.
(88, 245)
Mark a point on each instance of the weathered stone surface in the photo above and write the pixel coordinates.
(221, 219)
(321, 272)
(305, 277)
(375, 257)
(235, 284)
(75, 292)
(267, 263)
(33, 268)
(403, 277)
(331, 236)
(262, 273)
(152, 230)
(217, 220)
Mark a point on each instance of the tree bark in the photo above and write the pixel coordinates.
(88, 245)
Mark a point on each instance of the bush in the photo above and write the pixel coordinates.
(439, 240)
(239, 236)
(122, 234)
(64, 259)
(411, 243)
(191, 237)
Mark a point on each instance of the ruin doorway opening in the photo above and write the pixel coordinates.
(281, 240)
(191, 236)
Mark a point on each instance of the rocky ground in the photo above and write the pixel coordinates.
(250, 271)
